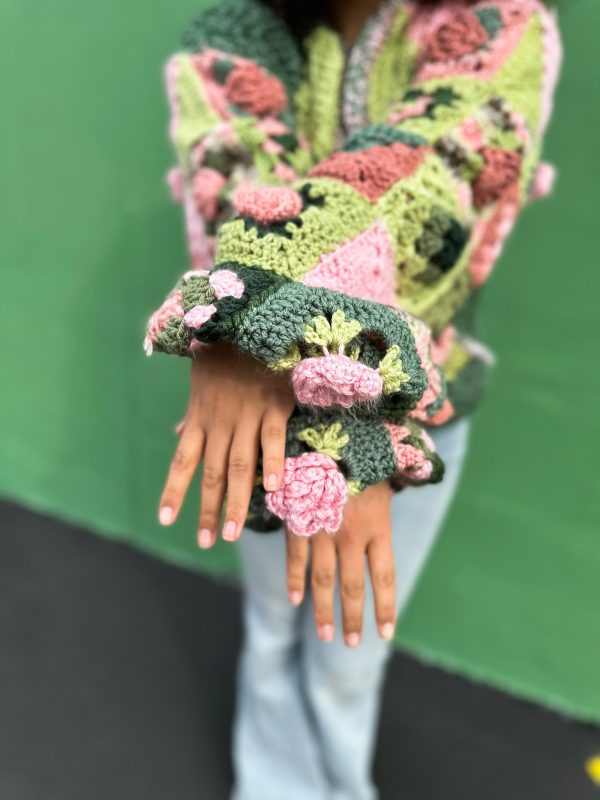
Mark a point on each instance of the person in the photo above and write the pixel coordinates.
(382, 150)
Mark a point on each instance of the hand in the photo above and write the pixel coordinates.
(235, 404)
(366, 530)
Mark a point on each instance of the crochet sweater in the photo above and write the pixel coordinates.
(343, 208)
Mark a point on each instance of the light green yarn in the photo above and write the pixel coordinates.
(317, 100)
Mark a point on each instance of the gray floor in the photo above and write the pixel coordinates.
(116, 676)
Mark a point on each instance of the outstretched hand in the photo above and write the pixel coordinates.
(235, 405)
(365, 531)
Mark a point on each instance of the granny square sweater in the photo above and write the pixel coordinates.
(343, 208)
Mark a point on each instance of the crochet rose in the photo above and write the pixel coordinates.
(267, 204)
(461, 35)
(312, 496)
(254, 90)
(207, 185)
(335, 380)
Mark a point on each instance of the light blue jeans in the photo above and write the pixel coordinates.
(307, 711)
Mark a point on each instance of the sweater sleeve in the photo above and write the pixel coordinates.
(231, 117)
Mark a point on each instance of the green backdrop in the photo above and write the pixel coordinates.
(90, 241)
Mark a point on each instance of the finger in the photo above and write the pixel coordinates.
(214, 480)
(296, 562)
(351, 560)
(241, 471)
(181, 470)
(322, 573)
(383, 579)
(272, 440)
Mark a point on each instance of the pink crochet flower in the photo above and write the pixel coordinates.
(253, 89)
(267, 204)
(312, 496)
(162, 317)
(335, 380)
(206, 186)
(226, 284)
(455, 38)
(501, 169)
(198, 315)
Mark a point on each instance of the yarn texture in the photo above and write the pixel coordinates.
(343, 209)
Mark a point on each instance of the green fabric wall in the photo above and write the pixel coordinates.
(90, 241)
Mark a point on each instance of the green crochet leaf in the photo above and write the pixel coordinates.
(327, 439)
(338, 332)
(390, 368)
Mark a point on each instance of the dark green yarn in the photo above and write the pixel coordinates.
(249, 29)
(443, 240)
(221, 69)
(490, 19)
(380, 134)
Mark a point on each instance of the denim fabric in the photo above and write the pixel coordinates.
(307, 711)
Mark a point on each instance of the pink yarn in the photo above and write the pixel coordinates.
(175, 184)
(198, 315)
(272, 126)
(226, 284)
(162, 318)
(489, 234)
(312, 495)
(285, 173)
(206, 186)
(372, 172)
(543, 181)
(198, 244)
(255, 90)
(461, 35)
(501, 169)
(412, 461)
(335, 380)
(363, 267)
(267, 204)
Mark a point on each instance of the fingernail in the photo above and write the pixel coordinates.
(325, 632)
(204, 538)
(229, 531)
(165, 515)
(353, 639)
(295, 597)
(272, 482)
(387, 630)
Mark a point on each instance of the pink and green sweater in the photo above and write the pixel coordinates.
(344, 207)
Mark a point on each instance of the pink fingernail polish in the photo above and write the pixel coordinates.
(165, 515)
(325, 632)
(204, 538)
(229, 531)
(296, 597)
(353, 639)
(272, 482)
(387, 630)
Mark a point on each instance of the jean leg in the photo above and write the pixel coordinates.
(274, 747)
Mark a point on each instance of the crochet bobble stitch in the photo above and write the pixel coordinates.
(325, 193)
